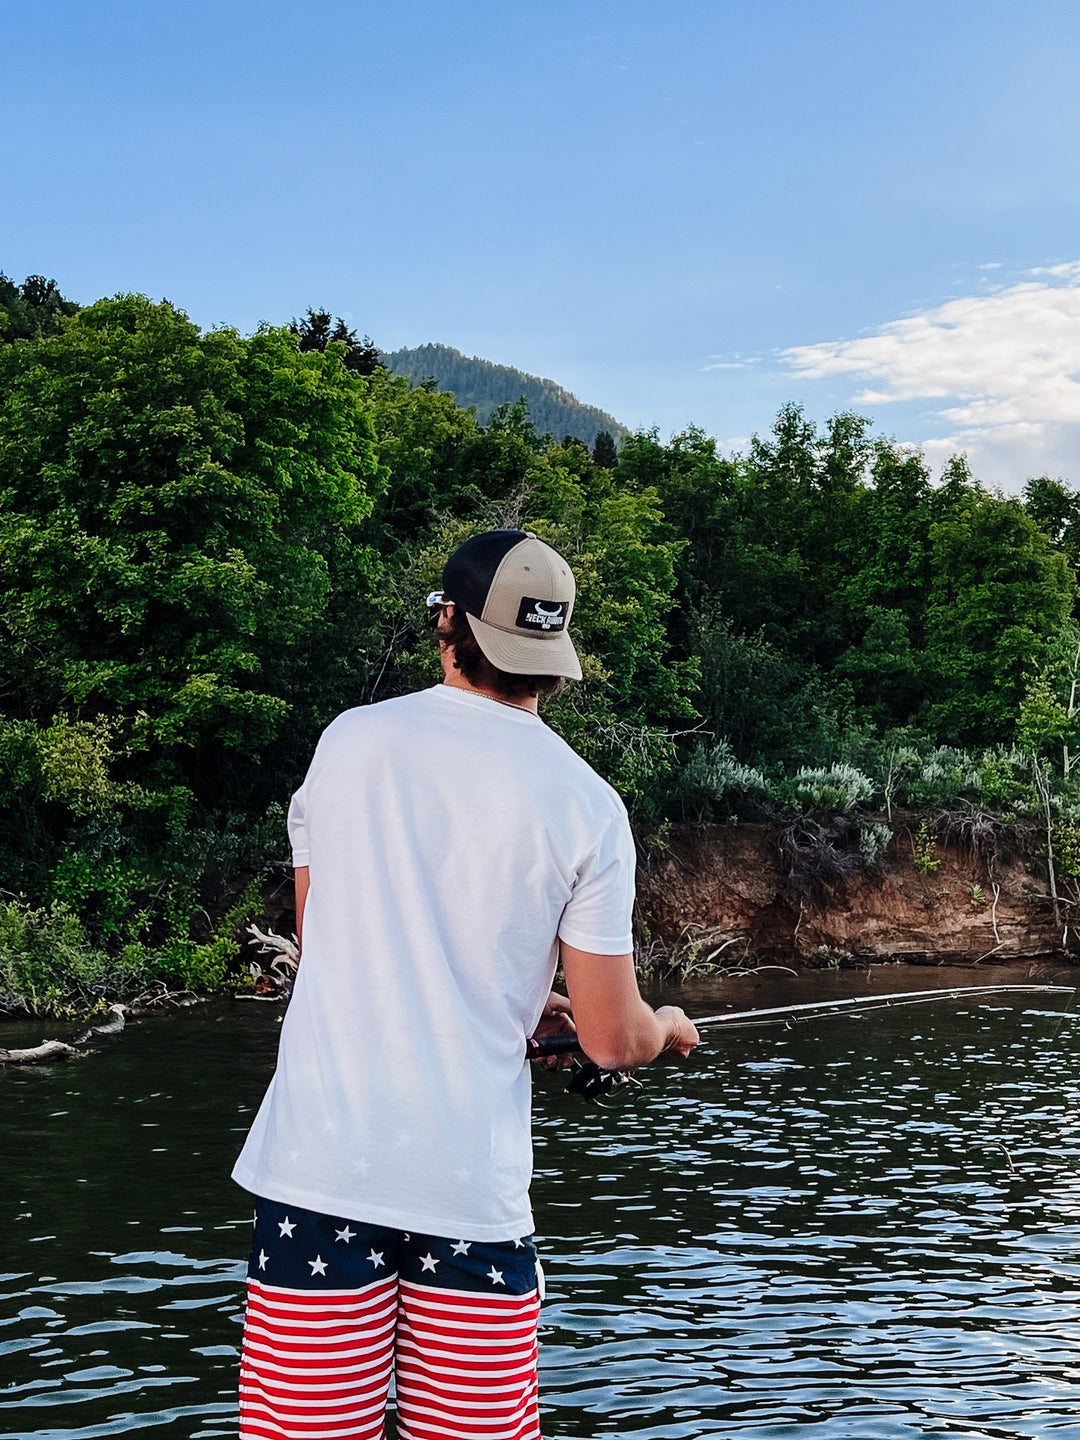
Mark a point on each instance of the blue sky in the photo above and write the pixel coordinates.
(685, 212)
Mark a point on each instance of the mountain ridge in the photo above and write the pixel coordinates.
(484, 386)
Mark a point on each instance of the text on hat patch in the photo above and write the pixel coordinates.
(542, 614)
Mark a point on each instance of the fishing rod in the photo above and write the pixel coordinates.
(590, 1081)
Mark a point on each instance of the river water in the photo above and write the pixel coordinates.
(857, 1228)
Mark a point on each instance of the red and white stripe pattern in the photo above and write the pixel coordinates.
(466, 1365)
(317, 1365)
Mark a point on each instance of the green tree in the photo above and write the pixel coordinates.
(884, 669)
(999, 598)
(32, 309)
(421, 438)
(604, 451)
(1055, 507)
(316, 330)
(181, 551)
(1043, 720)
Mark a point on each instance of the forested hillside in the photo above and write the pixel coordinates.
(211, 544)
(485, 387)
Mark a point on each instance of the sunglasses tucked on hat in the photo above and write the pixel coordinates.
(518, 596)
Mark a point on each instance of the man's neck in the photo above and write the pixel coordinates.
(457, 681)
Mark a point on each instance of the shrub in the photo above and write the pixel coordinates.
(47, 964)
(924, 850)
(995, 779)
(713, 783)
(1066, 842)
(836, 790)
(873, 843)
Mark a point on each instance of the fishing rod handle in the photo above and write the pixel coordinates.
(537, 1047)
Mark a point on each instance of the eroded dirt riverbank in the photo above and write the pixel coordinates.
(728, 889)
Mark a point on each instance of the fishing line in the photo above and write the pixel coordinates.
(880, 1002)
(590, 1081)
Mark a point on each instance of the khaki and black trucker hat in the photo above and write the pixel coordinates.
(518, 596)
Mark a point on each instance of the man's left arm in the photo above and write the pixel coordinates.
(303, 884)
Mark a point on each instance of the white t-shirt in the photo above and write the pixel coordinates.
(451, 839)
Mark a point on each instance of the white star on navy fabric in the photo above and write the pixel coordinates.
(376, 1257)
(428, 1262)
(495, 1276)
(517, 1244)
(318, 1266)
(263, 1257)
(345, 1234)
(287, 1226)
(462, 1247)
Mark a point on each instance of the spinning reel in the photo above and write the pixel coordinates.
(592, 1083)
(586, 1078)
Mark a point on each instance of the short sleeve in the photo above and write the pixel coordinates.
(598, 917)
(298, 835)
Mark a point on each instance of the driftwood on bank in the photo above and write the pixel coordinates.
(273, 982)
(112, 1026)
(47, 1050)
(160, 997)
(60, 1050)
(270, 943)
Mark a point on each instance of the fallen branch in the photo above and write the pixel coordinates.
(713, 953)
(59, 1050)
(47, 1050)
(994, 951)
(993, 915)
(164, 996)
(273, 982)
(287, 951)
(111, 1027)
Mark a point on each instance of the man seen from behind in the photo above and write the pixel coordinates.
(451, 851)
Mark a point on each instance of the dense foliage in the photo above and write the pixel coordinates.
(211, 544)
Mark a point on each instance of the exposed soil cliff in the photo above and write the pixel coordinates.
(730, 887)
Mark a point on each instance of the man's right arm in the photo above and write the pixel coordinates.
(617, 1029)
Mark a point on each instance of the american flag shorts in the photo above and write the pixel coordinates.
(337, 1308)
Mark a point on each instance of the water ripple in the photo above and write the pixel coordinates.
(859, 1233)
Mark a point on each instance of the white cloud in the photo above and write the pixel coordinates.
(1004, 368)
(737, 362)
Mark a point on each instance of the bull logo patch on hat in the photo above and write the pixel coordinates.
(542, 615)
